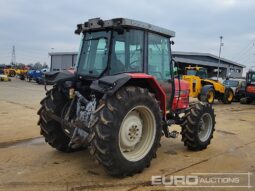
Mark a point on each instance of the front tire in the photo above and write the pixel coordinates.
(228, 96)
(128, 131)
(198, 126)
(210, 95)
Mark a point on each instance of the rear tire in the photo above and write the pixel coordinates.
(113, 145)
(51, 129)
(198, 126)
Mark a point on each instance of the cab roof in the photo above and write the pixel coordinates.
(99, 24)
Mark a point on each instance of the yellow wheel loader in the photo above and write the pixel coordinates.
(205, 89)
(21, 72)
(10, 72)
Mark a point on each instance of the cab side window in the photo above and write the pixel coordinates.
(159, 57)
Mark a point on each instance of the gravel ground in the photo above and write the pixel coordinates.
(28, 163)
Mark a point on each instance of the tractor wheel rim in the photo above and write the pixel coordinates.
(210, 97)
(230, 96)
(137, 133)
(205, 128)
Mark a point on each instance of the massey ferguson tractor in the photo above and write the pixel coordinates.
(122, 98)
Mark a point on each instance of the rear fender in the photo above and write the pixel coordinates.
(151, 83)
(110, 84)
(58, 77)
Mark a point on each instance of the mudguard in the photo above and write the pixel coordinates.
(110, 84)
(58, 77)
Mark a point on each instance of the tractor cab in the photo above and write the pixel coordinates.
(123, 46)
(250, 83)
(250, 79)
(120, 50)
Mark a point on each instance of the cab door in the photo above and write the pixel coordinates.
(159, 60)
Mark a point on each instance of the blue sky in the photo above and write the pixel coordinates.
(35, 27)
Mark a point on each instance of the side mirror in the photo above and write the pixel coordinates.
(175, 70)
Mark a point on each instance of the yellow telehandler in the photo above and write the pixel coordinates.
(200, 84)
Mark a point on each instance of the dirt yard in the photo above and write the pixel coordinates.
(28, 163)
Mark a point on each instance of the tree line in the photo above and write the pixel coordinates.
(31, 66)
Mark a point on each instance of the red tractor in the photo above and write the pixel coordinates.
(122, 98)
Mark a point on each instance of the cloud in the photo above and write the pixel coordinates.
(37, 26)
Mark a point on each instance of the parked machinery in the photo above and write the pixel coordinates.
(9, 71)
(20, 72)
(200, 84)
(37, 75)
(249, 89)
(237, 85)
(4, 78)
